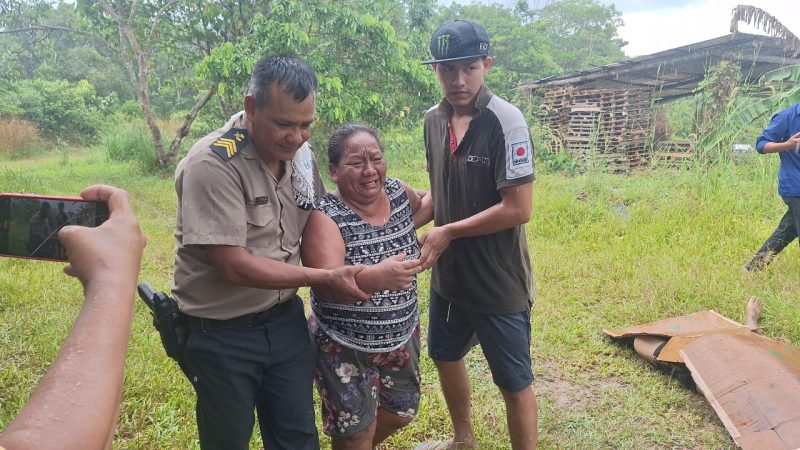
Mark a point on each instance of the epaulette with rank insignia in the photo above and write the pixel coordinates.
(229, 144)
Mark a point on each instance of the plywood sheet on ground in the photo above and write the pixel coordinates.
(753, 383)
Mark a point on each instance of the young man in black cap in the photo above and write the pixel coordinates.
(480, 163)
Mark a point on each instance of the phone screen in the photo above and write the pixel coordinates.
(29, 224)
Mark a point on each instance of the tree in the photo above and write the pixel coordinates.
(717, 94)
(19, 36)
(784, 83)
(131, 30)
(52, 76)
(40, 42)
(519, 51)
(182, 55)
(179, 54)
(366, 71)
(196, 31)
(582, 33)
(533, 43)
(363, 65)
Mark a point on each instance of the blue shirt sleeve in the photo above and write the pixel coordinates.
(777, 131)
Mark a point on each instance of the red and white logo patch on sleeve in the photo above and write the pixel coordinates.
(520, 161)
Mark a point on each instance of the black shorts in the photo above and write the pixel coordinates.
(504, 338)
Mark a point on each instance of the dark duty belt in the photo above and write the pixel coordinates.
(245, 321)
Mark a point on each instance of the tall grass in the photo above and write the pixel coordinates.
(130, 141)
(19, 138)
(607, 251)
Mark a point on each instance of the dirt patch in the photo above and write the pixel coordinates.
(565, 393)
(570, 393)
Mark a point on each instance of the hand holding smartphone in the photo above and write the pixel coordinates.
(29, 224)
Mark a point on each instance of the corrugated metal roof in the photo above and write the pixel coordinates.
(676, 72)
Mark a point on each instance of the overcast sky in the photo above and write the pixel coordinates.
(653, 26)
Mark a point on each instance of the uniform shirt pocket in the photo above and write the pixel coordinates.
(261, 231)
(258, 215)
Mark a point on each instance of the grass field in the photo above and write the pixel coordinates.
(608, 251)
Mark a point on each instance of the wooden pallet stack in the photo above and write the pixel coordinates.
(674, 153)
(606, 128)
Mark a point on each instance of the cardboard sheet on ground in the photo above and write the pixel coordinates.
(751, 381)
(681, 330)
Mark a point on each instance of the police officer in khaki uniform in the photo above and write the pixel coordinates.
(244, 194)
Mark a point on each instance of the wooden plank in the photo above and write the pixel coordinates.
(753, 383)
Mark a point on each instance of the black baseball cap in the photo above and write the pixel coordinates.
(459, 39)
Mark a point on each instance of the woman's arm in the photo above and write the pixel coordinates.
(421, 203)
(323, 248)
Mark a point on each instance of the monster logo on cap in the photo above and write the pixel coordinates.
(459, 39)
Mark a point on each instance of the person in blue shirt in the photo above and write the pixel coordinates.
(782, 136)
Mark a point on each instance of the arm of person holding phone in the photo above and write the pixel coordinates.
(75, 404)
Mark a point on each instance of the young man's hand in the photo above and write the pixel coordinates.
(433, 243)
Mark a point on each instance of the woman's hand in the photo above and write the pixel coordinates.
(394, 273)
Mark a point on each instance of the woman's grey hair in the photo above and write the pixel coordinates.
(296, 76)
(342, 134)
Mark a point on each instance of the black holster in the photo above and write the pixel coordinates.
(167, 319)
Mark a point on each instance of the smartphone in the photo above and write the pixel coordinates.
(29, 224)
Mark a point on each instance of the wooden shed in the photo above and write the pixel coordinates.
(604, 115)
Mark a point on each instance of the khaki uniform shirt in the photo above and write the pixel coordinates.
(238, 202)
(490, 274)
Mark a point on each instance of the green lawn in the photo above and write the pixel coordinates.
(608, 251)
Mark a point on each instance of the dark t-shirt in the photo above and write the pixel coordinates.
(490, 273)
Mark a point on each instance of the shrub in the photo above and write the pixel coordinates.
(403, 148)
(559, 162)
(61, 109)
(131, 108)
(20, 137)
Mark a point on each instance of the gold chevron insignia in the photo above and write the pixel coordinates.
(230, 144)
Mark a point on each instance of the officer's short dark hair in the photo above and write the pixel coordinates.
(342, 134)
(294, 74)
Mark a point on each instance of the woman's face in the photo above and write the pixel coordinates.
(361, 171)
